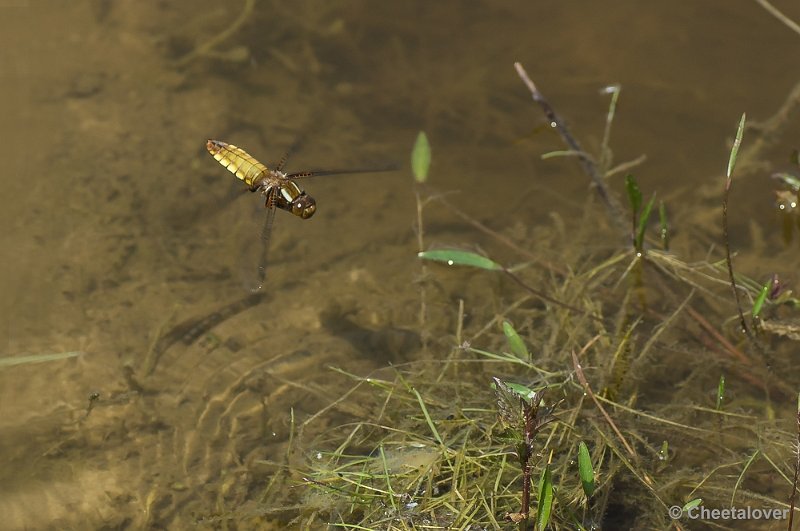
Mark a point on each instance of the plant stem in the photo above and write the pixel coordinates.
(423, 306)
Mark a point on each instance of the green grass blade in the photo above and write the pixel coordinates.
(388, 477)
(462, 258)
(758, 304)
(428, 418)
(664, 225)
(720, 392)
(545, 505)
(503, 356)
(605, 152)
(36, 358)
(634, 194)
(639, 241)
(740, 478)
(515, 342)
(736, 143)
(421, 158)
(585, 469)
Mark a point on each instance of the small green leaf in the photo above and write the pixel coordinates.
(421, 158)
(662, 220)
(720, 392)
(634, 194)
(585, 469)
(692, 504)
(515, 342)
(545, 505)
(735, 148)
(511, 391)
(643, 218)
(523, 391)
(758, 304)
(462, 258)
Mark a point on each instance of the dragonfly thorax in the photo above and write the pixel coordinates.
(290, 197)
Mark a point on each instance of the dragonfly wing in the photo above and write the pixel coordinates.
(252, 235)
(266, 231)
(320, 173)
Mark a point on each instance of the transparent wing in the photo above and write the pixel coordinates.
(266, 232)
(320, 173)
(251, 233)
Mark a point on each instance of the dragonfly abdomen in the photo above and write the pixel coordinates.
(237, 161)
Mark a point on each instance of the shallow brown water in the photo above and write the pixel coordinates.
(119, 226)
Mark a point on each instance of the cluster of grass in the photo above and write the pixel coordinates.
(600, 396)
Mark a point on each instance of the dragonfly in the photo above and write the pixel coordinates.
(279, 188)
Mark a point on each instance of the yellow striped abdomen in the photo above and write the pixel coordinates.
(238, 161)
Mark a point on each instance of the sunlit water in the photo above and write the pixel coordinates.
(121, 231)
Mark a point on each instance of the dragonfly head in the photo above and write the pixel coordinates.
(304, 206)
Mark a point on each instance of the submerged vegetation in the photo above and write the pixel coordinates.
(610, 390)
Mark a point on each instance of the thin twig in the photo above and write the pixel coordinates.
(423, 297)
(586, 387)
(587, 163)
(772, 10)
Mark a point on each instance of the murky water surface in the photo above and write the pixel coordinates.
(126, 242)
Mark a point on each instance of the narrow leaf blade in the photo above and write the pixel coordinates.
(462, 258)
(634, 194)
(545, 506)
(36, 358)
(736, 143)
(758, 304)
(639, 242)
(585, 469)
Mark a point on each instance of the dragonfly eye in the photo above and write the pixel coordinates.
(304, 206)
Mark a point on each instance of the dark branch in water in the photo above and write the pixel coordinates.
(588, 165)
